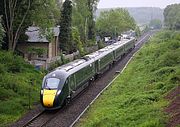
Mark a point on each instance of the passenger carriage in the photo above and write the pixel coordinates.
(65, 82)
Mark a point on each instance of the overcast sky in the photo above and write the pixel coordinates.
(135, 3)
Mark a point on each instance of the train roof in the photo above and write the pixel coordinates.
(78, 64)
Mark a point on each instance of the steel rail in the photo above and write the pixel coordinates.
(33, 119)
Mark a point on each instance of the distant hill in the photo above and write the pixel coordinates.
(142, 15)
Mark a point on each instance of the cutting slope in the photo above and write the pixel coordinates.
(136, 98)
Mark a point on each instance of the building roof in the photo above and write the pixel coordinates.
(34, 34)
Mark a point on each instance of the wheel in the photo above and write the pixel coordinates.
(67, 100)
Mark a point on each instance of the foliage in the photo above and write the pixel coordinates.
(47, 10)
(146, 29)
(58, 63)
(79, 18)
(138, 31)
(113, 22)
(18, 15)
(100, 45)
(83, 18)
(2, 34)
(136, 97)
(37, 50)
(92, 4)
(55, 65)
(16, 77)
(65, 36)
(142, 15)
(172, 16)
(90, 43)
(155, 24)
(77, 41)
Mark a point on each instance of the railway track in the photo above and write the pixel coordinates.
(40, 119)
(43, 117)
(33, 119)
(69, 115)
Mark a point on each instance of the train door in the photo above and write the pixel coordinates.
(72, 85)
(96, 66)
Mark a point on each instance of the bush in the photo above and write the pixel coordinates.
(90, 43)
(15, 82)
(54, 65)
(5, 94)
(100, 45)
(3, 69)
(14, 63)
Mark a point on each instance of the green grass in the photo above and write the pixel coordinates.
(136, 97)
(15, 77)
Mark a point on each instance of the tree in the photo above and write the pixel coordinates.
(77, 41)
(1, 33)
(80, 17)
(113, 22)
(65, 36)
(172, 16)
(155, 24)
(92, 4)
(19, 14)
(83, 18)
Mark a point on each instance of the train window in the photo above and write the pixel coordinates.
(52, 83)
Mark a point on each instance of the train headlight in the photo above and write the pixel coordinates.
(42, 91)
(59, 91)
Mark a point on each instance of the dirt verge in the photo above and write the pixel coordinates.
(173, 109)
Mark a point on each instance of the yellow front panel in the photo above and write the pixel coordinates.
(48, 97)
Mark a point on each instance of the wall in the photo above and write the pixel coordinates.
(24, 46)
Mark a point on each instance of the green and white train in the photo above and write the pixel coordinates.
(65, 82)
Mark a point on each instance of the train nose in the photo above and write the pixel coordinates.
(48, 97)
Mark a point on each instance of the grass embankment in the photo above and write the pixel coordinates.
(136, 98)
(15, 77)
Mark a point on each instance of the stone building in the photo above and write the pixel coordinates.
(37, 41)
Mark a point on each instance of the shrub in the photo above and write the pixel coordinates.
(15, 82)
(54, 65)
(14, 63)
(3, 69)
(100, 45)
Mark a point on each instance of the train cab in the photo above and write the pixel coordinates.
(53, 91)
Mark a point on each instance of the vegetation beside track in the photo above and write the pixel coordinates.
(15, 83)
(136, 97)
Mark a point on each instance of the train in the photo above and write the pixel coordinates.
(61, 85)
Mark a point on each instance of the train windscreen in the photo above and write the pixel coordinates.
(52, 83)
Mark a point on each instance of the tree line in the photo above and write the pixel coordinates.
(113, 22)
(172, 16)
(78, 24)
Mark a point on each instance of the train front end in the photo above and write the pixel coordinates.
(52, 92)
